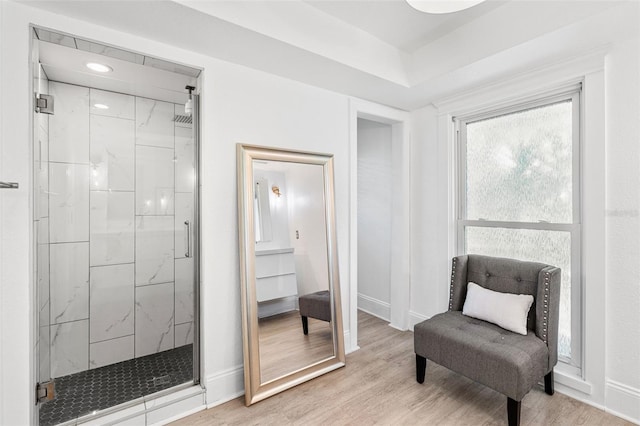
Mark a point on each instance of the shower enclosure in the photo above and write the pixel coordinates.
(115, 226)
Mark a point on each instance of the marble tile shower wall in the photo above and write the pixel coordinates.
(120, 186)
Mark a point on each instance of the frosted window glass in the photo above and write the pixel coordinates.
(519, 166)
(550, 247)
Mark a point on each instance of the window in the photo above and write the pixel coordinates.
(519, 195)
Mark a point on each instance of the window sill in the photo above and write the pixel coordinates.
(570, 377)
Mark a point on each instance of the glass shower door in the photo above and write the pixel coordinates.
(41, 271)
(115, 195)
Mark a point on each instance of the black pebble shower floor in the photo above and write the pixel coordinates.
(82, 393)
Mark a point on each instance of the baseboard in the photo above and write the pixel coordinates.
(275, 307)
(225, 386)
(415, 318)
(347, 343)
(375, 307)
(622, 401)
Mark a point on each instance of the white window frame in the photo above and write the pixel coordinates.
(574, 94)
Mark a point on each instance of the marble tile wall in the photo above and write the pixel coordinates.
(68, 202)
(114, 188)
(69, 281)
(154, 318)
(112, 233)
(69, 348)
(69, 126)
(112, 153)
(154, 123)
(154, 180)
(154, 250)
(112, 301)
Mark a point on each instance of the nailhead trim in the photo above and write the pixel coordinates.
(546, 300)
(453, 273)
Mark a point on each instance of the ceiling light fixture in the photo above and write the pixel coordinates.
(95, 66)
(442, 6)
(101, 106)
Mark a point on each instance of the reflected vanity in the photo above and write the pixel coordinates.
(292, 322)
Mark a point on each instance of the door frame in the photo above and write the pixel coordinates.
(400, 222)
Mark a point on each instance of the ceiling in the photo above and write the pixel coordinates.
(66, 65)
(64, 59)
(378, 50)
(398, 24)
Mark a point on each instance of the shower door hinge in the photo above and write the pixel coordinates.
(44, 104)
(45, 392)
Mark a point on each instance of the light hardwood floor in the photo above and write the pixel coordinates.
(378, 386)
(284, 348)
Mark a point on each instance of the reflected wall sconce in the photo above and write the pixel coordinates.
(276, 190)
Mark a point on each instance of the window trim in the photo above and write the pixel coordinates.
(574, 93)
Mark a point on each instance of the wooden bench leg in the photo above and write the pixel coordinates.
(548, 383)
(305, 325)
(421, 368)
(513, 412)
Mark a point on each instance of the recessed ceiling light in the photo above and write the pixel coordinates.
(94, 66)
(101, 106)
(442, 6)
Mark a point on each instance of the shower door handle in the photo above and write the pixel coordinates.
(188, 248)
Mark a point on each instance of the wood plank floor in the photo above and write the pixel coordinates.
(378, 386)
(284, 348)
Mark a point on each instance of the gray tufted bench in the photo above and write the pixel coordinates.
(315, 305)
(507, 362)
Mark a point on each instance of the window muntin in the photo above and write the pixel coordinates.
(518, 195)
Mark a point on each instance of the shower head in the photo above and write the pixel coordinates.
(188, 107)
(185, 119)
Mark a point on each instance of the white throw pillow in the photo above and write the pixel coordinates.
(507, 310)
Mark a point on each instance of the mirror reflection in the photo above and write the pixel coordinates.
(292, 278)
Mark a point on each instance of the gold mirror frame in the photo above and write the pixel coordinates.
(255, 389)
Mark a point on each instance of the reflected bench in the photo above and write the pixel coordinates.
(315, 305)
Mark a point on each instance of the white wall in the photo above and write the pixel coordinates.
(238, 105)
(622, 100)
(307, 230)
(16, 287)
(375, 183)
(429, 216)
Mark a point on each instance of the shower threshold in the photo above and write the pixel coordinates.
(93, 390)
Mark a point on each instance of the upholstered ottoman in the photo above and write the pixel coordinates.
(315, 305)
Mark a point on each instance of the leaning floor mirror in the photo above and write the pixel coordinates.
(291, 315)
